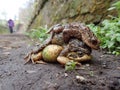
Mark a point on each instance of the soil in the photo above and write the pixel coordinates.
(101, 73)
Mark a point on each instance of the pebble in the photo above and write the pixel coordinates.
(66, 75)
(81, 78)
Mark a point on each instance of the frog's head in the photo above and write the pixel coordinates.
(90, 38)
(78, 58)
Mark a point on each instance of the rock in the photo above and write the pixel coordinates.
(49, 12)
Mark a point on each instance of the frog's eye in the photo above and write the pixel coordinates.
(94, 41)
(72, 55)
(80, 53)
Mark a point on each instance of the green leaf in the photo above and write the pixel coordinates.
(118, 39)
(118, 47)
(111, 8)
(117, 4)
(111, 44)
(109, 31)
(70, 65)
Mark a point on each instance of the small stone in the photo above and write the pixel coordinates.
(81, 78)
(87, 65)
(118, 68)
(66, 75)
(30, 71)
(101, 56)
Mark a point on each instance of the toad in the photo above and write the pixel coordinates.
(76, 39)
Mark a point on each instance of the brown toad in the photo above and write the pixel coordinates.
(75, 38)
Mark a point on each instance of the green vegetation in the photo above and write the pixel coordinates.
(38, 33)
(109, 31)
(70, 65)
(3, 29)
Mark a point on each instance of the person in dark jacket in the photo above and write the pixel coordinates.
(11, 25)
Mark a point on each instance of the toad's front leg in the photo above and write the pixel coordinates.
(67, 55)
(62, 58)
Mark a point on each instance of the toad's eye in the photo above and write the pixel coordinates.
(72, 54)
(94, 42)
(79, 53)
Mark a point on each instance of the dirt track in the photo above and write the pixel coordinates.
(102, 73)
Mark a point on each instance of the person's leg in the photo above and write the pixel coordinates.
(11, 29)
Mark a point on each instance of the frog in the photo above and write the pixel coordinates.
(76, 30)
(75, 50)
(76, 39)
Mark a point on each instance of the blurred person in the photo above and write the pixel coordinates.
(11, 25)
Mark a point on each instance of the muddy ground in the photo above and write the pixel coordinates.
(101, 73)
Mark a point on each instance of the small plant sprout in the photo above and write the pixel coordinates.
(70, 65)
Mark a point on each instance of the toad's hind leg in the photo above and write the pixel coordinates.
(33, 57)
(46, 42)
(56, 29)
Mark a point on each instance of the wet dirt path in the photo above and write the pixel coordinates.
(102, 73)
